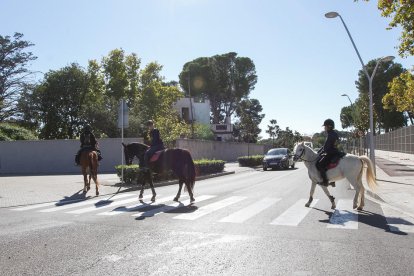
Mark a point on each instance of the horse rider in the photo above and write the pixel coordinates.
(328, 151)
(155, 143)
(88, 142)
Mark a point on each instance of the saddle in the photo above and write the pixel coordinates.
(156, 155)
(335, 160)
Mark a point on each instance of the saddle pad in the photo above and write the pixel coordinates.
(155, 156)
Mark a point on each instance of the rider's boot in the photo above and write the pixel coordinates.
(325, 181)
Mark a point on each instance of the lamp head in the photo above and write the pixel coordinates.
(331, 14)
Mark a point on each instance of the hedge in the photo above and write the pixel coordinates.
(12, 132)
(250, 161)
(202, 167)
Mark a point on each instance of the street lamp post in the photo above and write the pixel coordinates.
(353, 117)
(370, 78)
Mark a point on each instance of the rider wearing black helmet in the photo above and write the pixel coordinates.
(329, 149)
(88, 141)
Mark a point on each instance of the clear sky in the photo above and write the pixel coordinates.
(304, 61)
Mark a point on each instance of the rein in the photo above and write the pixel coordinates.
(302, 153)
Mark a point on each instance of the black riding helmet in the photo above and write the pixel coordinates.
(329, 122)
(87, 128)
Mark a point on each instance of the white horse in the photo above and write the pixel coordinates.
(350, 167)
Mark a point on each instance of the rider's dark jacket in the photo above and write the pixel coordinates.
(331, 144)
(155, 139)
(87, 139)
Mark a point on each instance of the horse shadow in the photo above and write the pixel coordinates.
(76, 197)
(371, 219)
(168, 209)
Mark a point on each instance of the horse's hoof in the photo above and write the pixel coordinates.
(87, 189)
(97, 193)
(360, 208)
(153, 198)
(333, 206)
(307, 204)
(140, 197)
(192, 200)
(175, 198)
(354, 207)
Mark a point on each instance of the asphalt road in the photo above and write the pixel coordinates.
(248, 223)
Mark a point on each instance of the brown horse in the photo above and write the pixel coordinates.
(89, 164)
(179, 161)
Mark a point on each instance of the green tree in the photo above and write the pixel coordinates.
(56, 103)
(248, 112)
(12, 132)
(402, 14)
(273, 130)
(224, 79)
(347, 116)
(14, 59)
(384, 119)
(401, 94)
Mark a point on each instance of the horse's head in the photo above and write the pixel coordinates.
(134, 150)
(299, 151)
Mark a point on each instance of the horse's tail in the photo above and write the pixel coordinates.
(372, 183)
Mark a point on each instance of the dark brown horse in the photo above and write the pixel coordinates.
(89, 164)
(179, 161)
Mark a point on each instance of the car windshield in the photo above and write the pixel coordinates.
(277, 152)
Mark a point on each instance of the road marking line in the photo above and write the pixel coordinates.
(397, 221)
(295, 214)
(166, 208)
(82, 203)
(344, 216)
(103, 206)
(205, 210)
(250, 211)
(135, 207)
(41, 205)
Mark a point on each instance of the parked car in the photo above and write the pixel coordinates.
(281, 158)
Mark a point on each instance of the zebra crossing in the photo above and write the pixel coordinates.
(344, 216)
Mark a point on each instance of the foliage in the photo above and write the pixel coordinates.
(273, 130)
(250, 161)
(224, 79)
(401, 94)
(202, 166)
(13, 72)
(203, 132)
(402, 13)
(385, 119)
(347, 116)
(12, 132)
(247, 127)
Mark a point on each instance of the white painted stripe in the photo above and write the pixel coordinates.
(397, 221)
(344, 216)
(251, 210)
(205, 210)
(295, 214)
(171, 207)
(82, 203)
(103, 206)
(132, 208)
(36, 206)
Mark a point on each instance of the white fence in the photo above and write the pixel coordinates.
(58, 156)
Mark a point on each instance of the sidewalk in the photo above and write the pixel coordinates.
(395, 178)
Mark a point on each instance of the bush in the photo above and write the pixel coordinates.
(10, 132)
(250, 161)
(202, 167)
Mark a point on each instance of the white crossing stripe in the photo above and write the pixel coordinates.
(135, 207)
(344, 216)
(37, 206)
(397, 221)
(171, 207)
(82, 203)
(295, 214)
(205, 210)
(251, 210)
(103, 206)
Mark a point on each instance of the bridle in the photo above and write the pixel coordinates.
(301, 158)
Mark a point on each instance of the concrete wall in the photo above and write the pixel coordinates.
(227, 151)
(55, 156)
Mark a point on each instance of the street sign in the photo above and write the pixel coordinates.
(123, 114)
